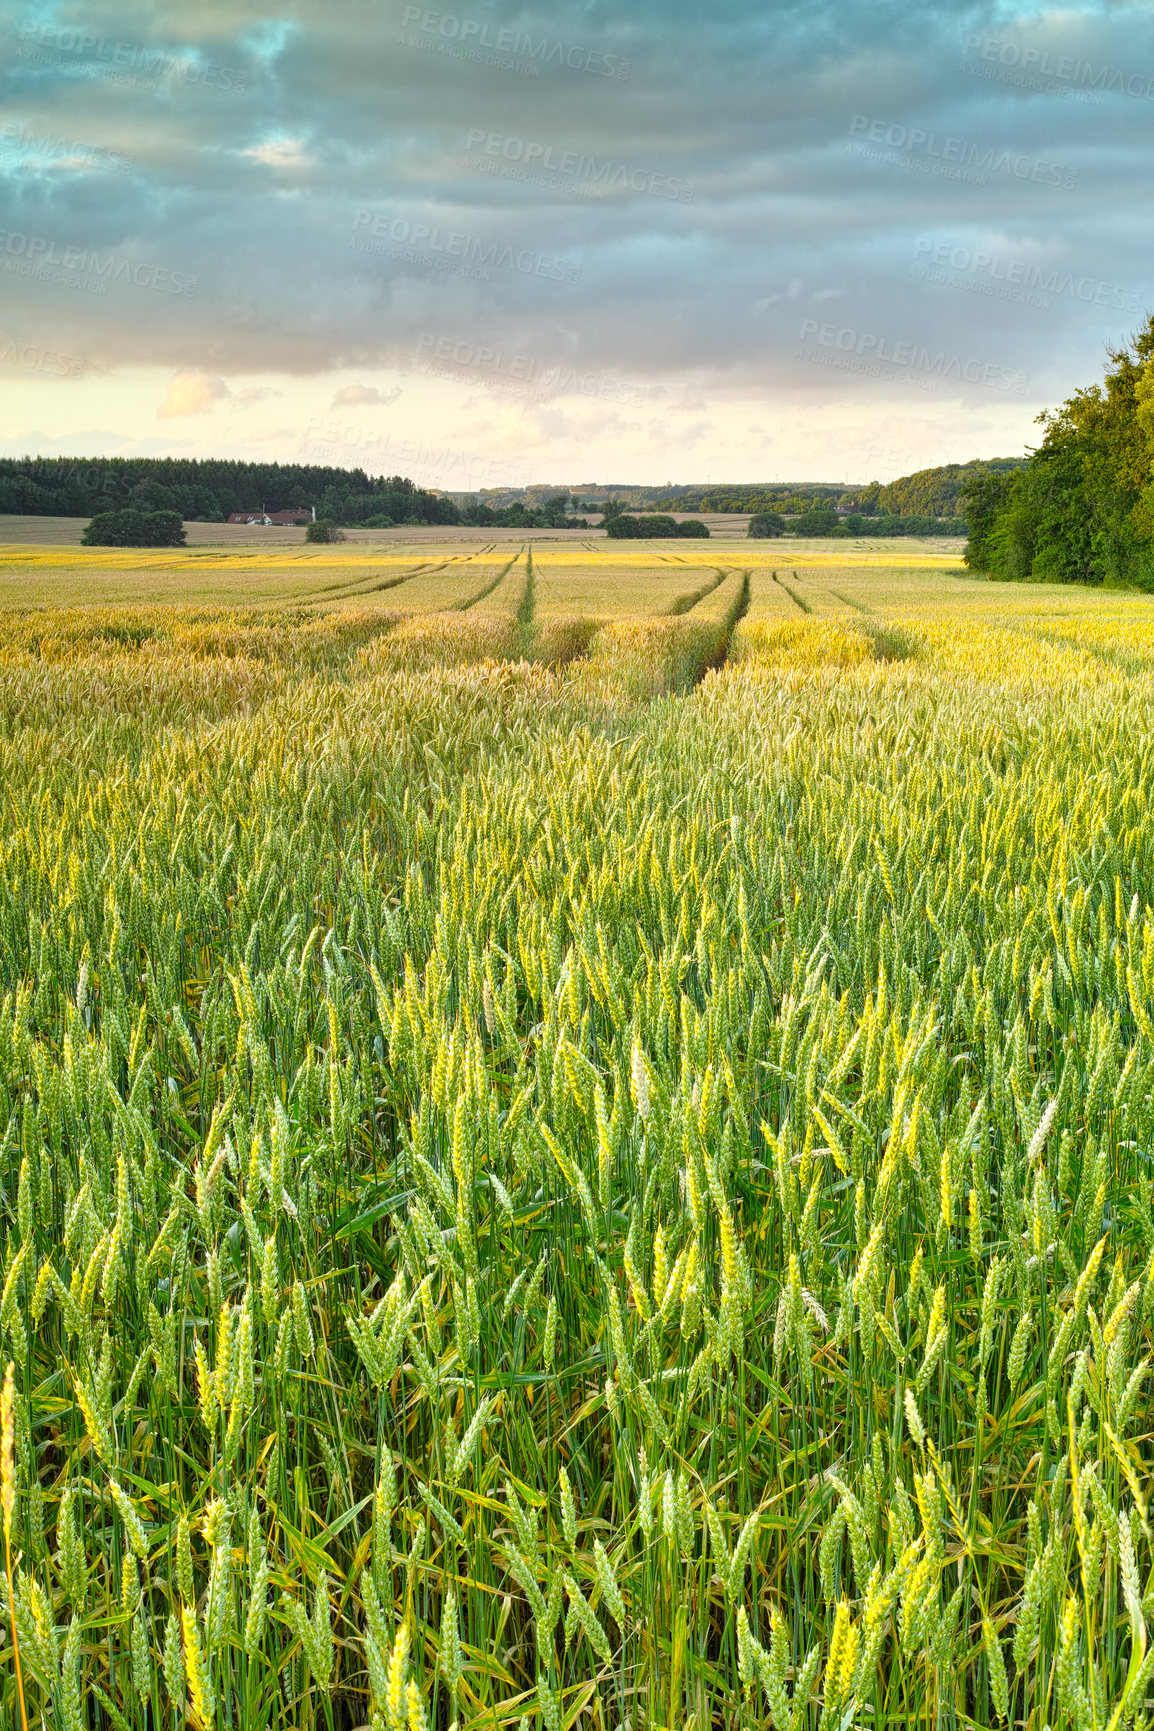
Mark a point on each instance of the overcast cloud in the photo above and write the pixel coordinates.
(488, 242)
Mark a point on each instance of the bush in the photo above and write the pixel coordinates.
(129, 528)
(628, 528)
(826, 522)
(822, 520)
(381, 522)
(764, 524)
(324, 529)
(694, 528)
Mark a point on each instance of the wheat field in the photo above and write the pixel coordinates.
(576, 1141)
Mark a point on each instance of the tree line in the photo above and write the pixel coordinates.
(824, 522)
(1081, 510)
(211, 490)
(208, 490)
(622, 526)
(929, 494)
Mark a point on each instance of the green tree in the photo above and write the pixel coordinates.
(129, 528)
(152, 496)
(625, 527)
(1082, 508)
(984, 495)
(823, 520)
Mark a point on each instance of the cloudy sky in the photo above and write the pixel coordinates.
(566, 242)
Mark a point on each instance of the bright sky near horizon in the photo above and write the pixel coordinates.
(576, 242)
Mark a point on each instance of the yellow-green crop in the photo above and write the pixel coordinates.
(559, 1169)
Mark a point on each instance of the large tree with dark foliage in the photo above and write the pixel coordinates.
(132, 528)
(625, 527)
(1082, 509)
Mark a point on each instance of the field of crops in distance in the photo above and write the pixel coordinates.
(576, 1139)
(585, 577)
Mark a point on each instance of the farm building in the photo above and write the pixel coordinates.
(267, 519)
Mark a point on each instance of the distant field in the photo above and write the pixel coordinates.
(66, 531)
(577, 573)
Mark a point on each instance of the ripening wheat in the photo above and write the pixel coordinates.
(545, 1175)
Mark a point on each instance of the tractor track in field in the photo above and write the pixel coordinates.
(480, 595)
(792, 593)
(846, 601)
(364, 585)
(527, 607)
(717, 654)
(683, 604)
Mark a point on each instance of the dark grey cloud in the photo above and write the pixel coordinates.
(817, 200)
